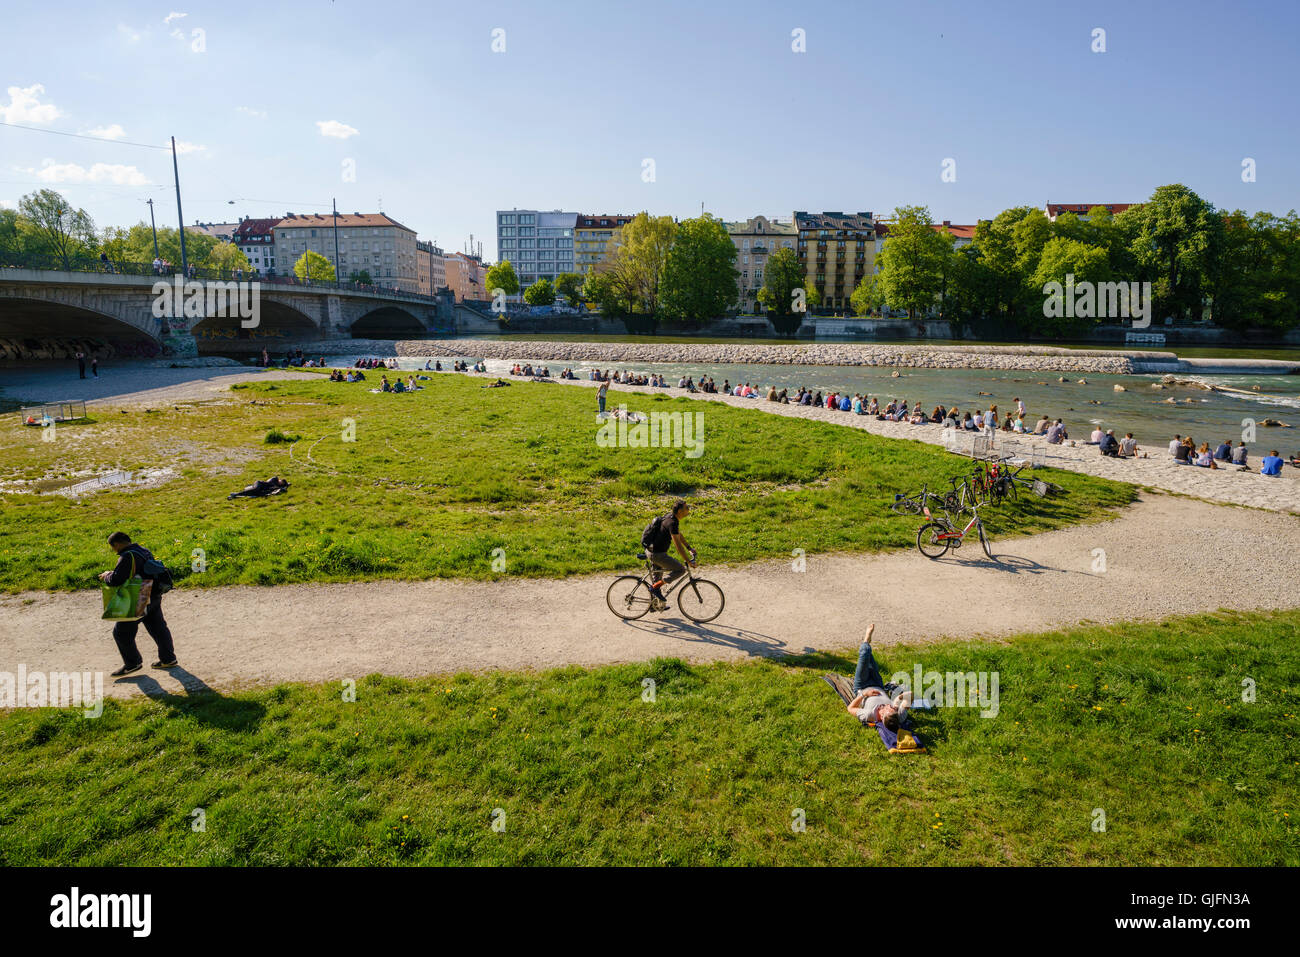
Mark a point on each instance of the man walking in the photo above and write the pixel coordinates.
(132, 559)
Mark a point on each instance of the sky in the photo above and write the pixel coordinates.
(442, 113)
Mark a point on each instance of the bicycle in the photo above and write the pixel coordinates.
(699, 599)
(937, 536)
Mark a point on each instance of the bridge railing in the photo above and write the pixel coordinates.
(50, 262)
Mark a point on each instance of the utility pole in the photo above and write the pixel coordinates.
(180, 215)
(337, 261)
(154, 228)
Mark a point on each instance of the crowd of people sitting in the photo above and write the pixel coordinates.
(529, 371)
(389, 363)
(1185, 451)
(397, 385)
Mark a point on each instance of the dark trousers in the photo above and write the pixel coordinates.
(669, 564)
(81, 368)
(867, 674)
(124, 633)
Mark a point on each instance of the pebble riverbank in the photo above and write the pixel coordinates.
(1041, 359)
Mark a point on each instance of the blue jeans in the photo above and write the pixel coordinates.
(600, 401)
(867, 674)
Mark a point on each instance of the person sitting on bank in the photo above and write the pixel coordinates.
(1109, 445)
(1056, 433)
(1271, 464)
(1204, 457)
(1043, 425)
(1128, 447)
(131, 559)
(1224, 452)
(1239, 455)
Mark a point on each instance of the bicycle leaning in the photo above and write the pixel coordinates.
(630, 598)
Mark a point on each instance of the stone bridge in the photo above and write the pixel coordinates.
(45, 313)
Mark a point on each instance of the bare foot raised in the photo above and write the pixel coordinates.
(870, 630)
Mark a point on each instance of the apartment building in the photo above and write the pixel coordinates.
(539, 244)
(836, 250)
(256, 240)
(430, 268)
(756, 239)
(373, 243)
(591, 238)
(467, 276)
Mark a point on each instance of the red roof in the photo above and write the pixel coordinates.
(1081, 209)
(255, 227)
(958, 232)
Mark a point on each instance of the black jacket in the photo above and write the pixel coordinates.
(123, 570)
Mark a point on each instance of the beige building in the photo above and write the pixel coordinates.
(430, 268)
(467, 277)
(756, 239)
(367, 242)
(837, 251)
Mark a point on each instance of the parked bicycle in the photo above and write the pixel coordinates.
(940, 534)
(630, 597)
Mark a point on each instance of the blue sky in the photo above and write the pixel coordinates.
(447, 131)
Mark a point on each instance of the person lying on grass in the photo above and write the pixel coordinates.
(272, 486)
(876, 700)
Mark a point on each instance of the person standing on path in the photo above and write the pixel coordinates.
(81, 364)
(131, 559)
(600, 395)
(94, 366)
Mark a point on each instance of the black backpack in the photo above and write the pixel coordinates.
(651, 532)
(150, 567)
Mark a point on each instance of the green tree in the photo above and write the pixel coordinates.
(1062, 259)
(635, 260)
(598, 288)
(699, 278)
(1178, 236)
(569, 285)
(362, 277)
(11, 242)
(502, 276)
(783, 279)
(226, 258)
(911, 266)
(56, 229)
(312, 265)
(540, 293)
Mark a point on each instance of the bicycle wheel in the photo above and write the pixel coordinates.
(929, 543)
(984, 539)
(700, 600)
(628, 597)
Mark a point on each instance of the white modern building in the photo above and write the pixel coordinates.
(538, 243)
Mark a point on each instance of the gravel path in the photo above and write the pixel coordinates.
(1165, 555)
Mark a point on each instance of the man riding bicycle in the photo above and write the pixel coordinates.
(656, 538)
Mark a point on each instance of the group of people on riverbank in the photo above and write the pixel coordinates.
(529, 371)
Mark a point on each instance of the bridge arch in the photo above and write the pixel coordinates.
(52, 326)
(387, 322)
(278, 324)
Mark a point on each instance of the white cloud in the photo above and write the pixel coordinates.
(177, 34)
(24, 106)
(260, 114)
(8, 204)
(128, 34)
(336, 129)
(112, 173)
(183, 147)
(173, 16)
(113, 132)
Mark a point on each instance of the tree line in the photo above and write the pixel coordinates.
(1237, 270)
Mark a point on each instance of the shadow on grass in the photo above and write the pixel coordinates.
(201, 702)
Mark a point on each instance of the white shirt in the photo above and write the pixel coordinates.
(1173, 447)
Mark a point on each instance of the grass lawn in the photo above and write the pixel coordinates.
(437, 480)
(1144, 721)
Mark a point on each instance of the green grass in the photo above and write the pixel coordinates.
(436, 481)
(1145, 721)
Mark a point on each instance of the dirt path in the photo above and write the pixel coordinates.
(1165, 555)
